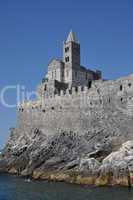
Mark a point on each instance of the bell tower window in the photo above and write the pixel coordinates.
(66, 49)
(67, 59)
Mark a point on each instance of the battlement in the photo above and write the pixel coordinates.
(83, 95)
(77, 109)
(29, 104)
(74, 92)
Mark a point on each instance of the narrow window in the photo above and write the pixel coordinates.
(67, 59)
(66, 49)
(121, 99)
(89, 84)
(129, 84)
(45, 88)
(76, 89)
(121, 87)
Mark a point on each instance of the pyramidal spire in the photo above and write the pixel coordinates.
(71, 37)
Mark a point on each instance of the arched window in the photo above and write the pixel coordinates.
(66, 49)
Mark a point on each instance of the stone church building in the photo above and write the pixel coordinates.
(68, 72)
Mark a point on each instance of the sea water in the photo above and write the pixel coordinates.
(14, 188)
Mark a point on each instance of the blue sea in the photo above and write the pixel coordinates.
(14, 188)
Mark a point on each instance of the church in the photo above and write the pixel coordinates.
(68, 72)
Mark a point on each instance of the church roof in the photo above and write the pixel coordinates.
(55, 60)
(71, 37)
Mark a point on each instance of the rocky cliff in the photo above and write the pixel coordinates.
(84, 137)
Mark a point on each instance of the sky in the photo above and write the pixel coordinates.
(32, 32)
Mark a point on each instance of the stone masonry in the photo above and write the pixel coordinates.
(80, 109)
(68, 72)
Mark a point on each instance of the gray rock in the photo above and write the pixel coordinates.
(89, 164)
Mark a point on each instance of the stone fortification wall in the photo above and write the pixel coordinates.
(81, 110)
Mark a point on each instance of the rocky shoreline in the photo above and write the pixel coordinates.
(68, 160)
(75, 177)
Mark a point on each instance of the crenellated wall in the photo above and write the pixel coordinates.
(80, 109)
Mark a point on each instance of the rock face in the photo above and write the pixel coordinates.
(74, 139)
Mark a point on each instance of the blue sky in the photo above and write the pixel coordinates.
(32, 32)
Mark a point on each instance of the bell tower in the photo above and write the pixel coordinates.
(71, 56)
